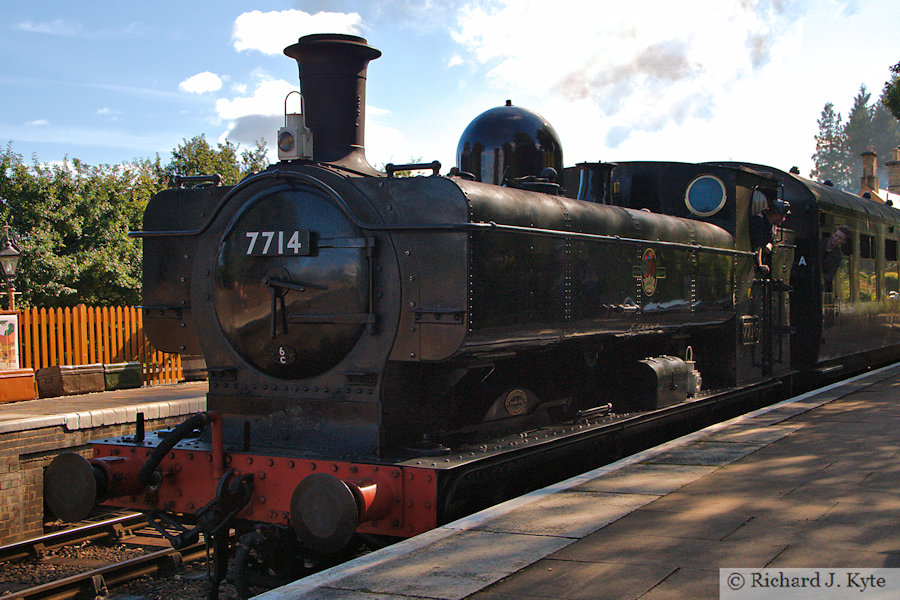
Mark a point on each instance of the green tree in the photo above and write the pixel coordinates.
(72, 219)
(869, 126)
(839, 146)
(831, 157)
(255, 160)
(890, 96)
(858, 135)
(197, 157)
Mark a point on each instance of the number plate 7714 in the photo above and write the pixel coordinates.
(278, 243)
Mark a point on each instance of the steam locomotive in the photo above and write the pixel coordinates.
(374, 342)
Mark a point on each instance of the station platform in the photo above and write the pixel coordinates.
(809, 482)
(34, 432)
(104, 408)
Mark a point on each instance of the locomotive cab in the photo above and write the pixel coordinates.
(726, 196)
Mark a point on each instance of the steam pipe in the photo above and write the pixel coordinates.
(198, 421)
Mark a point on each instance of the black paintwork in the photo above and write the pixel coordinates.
(506, 143)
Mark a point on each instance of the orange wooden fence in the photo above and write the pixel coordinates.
(86, 335)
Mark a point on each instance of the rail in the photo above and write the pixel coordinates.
(94, 583)
(113, 528)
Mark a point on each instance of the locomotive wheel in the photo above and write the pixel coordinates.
(324, 512)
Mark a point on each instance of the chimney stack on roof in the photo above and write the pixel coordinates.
(870, 169)
(893, 167)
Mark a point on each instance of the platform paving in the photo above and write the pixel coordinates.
(88, 411)
(809, 482)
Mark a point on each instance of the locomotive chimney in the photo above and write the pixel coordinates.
(333, 85)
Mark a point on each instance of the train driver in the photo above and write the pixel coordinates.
(762, 232)
(831, 253)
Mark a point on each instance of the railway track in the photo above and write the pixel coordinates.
(96, 582)
(110, 529)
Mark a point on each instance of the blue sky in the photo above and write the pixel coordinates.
(109, 82)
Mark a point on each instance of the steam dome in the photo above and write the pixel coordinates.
(508, 142)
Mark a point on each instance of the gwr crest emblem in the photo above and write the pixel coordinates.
(651, 273)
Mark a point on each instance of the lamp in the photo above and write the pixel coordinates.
(9, 264)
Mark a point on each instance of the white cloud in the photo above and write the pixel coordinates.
(675, 55)
(270, 32)
(267, 99)
(376, 111)
(385, 144)
(56, 27)
(38, 123)
(455, 60)
(201, 83)
(259, 114)
(68, 28)
(383, 140)
(661, 80)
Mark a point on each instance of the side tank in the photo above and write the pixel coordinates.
(550, 268)
(535, 269)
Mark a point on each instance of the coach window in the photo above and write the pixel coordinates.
(891, 270)
(868, 279)
(842, 283)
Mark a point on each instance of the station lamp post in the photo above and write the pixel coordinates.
(9, 264)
